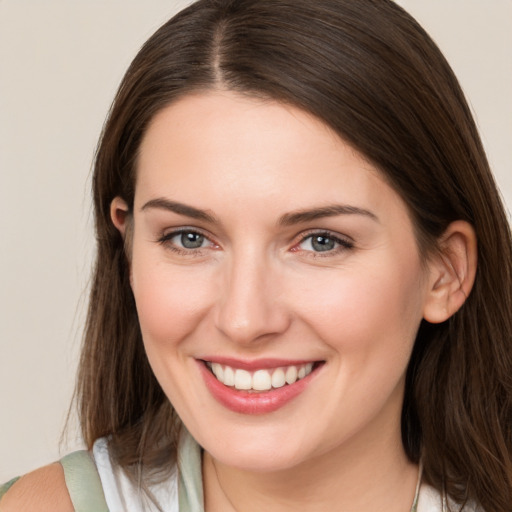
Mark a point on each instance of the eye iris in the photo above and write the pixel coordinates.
(322, 243)
(192, 240)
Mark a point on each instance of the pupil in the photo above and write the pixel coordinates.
(192, 240)
(322, 243)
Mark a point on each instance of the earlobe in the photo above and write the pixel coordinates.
(452, 272)
(119, 214)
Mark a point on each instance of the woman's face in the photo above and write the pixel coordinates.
(269, 251)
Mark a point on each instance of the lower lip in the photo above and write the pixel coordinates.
(256, 402)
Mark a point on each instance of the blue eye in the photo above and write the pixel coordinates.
(185, 240)
(190, 240)
(323, 242)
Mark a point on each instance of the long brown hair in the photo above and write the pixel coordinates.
(370, 72)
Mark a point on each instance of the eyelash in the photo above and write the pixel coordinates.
(166, 241)
(342, 244)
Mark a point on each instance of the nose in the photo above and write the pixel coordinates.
(251, 306)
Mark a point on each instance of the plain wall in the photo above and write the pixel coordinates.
(60, 64)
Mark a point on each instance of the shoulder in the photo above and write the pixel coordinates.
(39, 491)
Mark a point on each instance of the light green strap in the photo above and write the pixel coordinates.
(418, 486)
(190, 481)
(83, 482)
(5, 487)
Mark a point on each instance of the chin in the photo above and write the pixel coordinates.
(258, 462)
(260, 453)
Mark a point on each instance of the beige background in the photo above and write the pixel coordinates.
(60, 63)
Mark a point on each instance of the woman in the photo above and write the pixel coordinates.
(303, 268)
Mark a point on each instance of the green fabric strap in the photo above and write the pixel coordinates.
(5, 487)
(190, 483)
(83, 482)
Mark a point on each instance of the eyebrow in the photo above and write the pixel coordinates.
(297, 217)
(288, 219)
(179, 208)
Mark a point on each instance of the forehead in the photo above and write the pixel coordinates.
(219, 147)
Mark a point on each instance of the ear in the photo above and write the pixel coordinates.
(119, 214)
(452, 272)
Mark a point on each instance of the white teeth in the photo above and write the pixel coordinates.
(260, 380)
(291, 374)
(278, 378)
(218, 371)
(229, 376)
(243, 379)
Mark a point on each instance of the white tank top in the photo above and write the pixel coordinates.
(122, 495)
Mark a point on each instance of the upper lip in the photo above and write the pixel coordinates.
(256, 364)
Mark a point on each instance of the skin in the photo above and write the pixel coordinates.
(257, 288)
(43, 490)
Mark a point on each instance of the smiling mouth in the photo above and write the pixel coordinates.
(262, 379)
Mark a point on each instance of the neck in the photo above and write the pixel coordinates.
(369, 473)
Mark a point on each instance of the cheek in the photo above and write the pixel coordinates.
(170, 301)
(376, 307)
